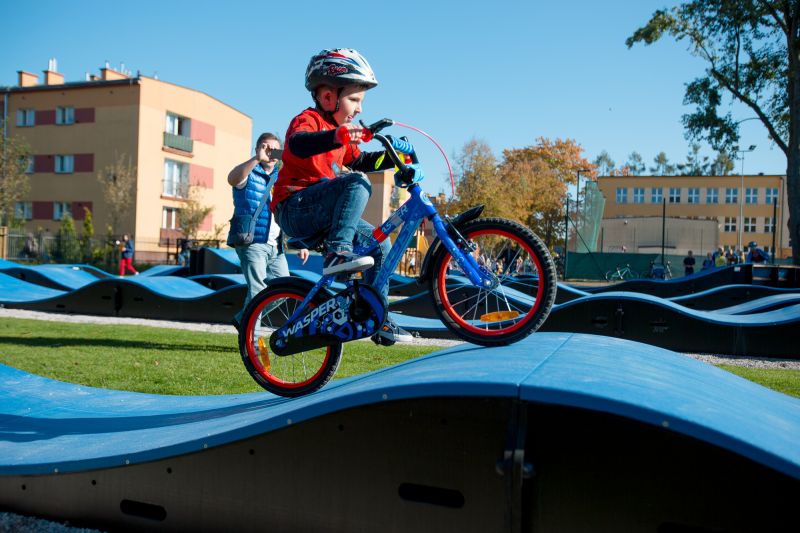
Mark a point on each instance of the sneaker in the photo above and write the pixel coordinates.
(341, 262)
(391, 333)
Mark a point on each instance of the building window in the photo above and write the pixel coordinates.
(693, 195)
(751, 195)
(29, 167)
(23, 210)
(169, 218)
(176, 179)
(731, 195)
(771, 195)
(622, 195)
(26, 117)
(65, 164)
(656, 195)
(749, 225)
(712, 195)
(65, 115)
(638, 195)
(730, 224)
(178, 125)
(674, 195)
(769, 224)
(60, 210)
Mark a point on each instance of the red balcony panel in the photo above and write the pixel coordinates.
(44, 117)
(43, 210)
(201, 176)
(78, 213)
(84, 115)
(44, 163)
(203, 132)
(84, 163)
(207, 224)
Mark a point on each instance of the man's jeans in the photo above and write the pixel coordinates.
(260, 262)
(333, 207)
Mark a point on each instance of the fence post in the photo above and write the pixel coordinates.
(3, 242)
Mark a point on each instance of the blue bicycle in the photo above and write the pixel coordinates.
(492, 282)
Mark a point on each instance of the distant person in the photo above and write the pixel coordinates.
(708, 262)
(184, 252)
(721, 261)
(756, 254)
(688, 264)
(31, 248)
(126, 256)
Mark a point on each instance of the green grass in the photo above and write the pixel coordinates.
(171, 361)
(154, 360)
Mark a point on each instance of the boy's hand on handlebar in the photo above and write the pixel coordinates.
(303, 255)
(350, 133)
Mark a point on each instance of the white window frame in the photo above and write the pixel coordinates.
(176, 179)
(622, 195)
(693, 195)
(178, 125)
(656, 195)
(60, 209)
(730, 225)
(769, 224)
(638, 195)
(65, 115)
(749, 224)
(31, 168)
(170, 218)
(674, 195)
(751, 195)
(770, 195)
(23, 210)
(731, 195)
(26, 118)
(712, 195)
(65, 164)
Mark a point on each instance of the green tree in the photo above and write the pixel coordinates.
(193, 213)
(476, 178)
(752, 54)
(69, 249)
(695, 165)
(605, 165)
(662, 165)
(14, 182)
(118, 181)
(87, 237)
(722, 165)
(635, 164)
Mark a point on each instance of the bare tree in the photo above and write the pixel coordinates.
(193, 213)
(118, 181)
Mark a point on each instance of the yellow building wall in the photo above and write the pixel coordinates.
(233, 131)
(608, 185)
(114, 130)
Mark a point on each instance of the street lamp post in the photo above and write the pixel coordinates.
(741, 196)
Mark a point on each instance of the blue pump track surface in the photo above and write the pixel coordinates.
(48, 426)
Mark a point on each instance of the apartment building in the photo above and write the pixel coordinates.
(742, 209)
(179, 139)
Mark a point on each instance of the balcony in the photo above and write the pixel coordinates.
(178, 142)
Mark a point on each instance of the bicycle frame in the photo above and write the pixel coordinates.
(410, 216)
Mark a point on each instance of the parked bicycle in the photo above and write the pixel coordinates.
(621, 274)
(660, 271)
(292, 332)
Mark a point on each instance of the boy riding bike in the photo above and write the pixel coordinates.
(321, 187)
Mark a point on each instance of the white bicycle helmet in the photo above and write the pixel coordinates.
(338, 68)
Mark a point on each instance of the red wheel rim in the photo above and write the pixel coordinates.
(255, 358)
(451, 312)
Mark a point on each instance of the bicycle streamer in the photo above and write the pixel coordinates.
(355, 312)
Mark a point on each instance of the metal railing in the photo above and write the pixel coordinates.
(178, 142)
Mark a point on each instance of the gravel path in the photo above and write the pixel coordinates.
(752, 362)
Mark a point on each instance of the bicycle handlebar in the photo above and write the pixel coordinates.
(392, 146)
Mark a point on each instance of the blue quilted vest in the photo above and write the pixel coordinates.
(247, 199)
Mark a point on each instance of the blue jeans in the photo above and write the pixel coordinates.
(333, 208)
(260, 262)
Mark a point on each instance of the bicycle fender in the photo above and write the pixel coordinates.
(457, 221)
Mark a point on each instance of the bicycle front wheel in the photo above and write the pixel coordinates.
(520, 302)
(289, 375)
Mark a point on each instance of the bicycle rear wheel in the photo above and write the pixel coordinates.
(521, 301)
(290, 375)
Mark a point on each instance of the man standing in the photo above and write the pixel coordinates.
(688, 264)
(261, 258)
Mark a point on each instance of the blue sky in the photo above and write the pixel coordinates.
(505, 72)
